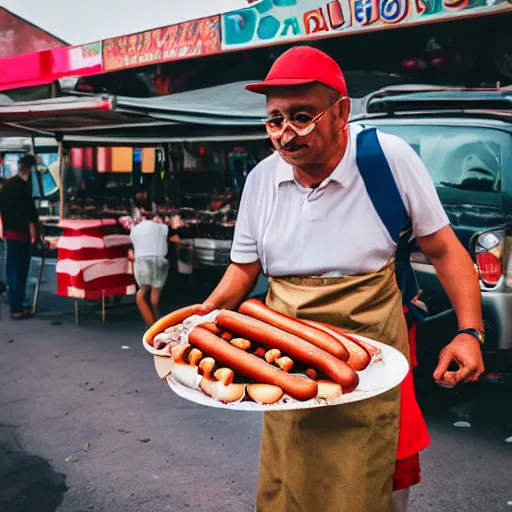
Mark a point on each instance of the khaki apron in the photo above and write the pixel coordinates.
(342, 458)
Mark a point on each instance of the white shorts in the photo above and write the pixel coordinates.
(151, 271)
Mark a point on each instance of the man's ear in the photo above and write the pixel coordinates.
(345, 109)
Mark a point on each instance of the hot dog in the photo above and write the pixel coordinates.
(251, 366)
(291, 345)
(371, 349)
(319, 338)
(358, 358)
(174, 318)
(212, 328)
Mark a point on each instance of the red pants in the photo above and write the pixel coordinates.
(413, 436)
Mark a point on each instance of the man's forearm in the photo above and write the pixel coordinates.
(457, 274)
(33, 231)
(235, 285)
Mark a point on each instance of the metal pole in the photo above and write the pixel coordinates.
(39, 278)
(103, 315)
(61, 176)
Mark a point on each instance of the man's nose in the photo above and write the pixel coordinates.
(287, 136)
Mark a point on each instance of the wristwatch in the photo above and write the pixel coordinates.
(479, 335)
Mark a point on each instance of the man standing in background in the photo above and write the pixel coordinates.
(18, 226)
(150, 239)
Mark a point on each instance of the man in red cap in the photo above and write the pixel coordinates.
(321, 217)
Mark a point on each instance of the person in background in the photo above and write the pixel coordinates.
(150, 265)
(18, 226)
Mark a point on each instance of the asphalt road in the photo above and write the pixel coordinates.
(86, 425)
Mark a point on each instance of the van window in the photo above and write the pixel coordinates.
(466, 158)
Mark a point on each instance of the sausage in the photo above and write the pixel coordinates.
(174, 318)
(251, 366)
(371, 349)
(210, 326)
(358, 358)
(321, 339)
(291, 345)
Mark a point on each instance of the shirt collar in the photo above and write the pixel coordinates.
(340, 175)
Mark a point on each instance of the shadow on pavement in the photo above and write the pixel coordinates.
(27, 483)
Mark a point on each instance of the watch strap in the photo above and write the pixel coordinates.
(479, 335)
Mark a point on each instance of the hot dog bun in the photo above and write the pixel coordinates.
(264, 393)
(174, 318)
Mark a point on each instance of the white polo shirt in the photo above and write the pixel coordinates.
(333, 229)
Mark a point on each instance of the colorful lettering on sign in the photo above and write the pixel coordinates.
(336, 17)
(420, 6)
(393, 11)
(197, 37)
(292, 23)
(365, 12)
(456, 4)
(273, 20)
(314, 22)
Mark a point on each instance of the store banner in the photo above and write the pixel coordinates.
(266, 22)
(80, 60)
(188, 39)
(35, 69)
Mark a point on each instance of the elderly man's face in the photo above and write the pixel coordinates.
(300, 104)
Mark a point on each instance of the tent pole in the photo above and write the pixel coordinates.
(61, 177)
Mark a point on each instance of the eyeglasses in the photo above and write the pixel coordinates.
(302, 123)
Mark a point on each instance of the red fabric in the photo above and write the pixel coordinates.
(413, 436)
(302, 65)
(15, 235)
(407, 473)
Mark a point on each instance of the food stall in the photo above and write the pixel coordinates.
(184, 157)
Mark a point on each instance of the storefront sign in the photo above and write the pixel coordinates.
(196, 37)
(274, 21)
(78, 60)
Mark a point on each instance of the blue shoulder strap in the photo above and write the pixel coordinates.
(380, 183)
(383, 191)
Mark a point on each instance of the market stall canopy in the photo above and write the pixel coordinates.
(227, 111)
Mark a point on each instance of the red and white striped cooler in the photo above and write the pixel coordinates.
(92, 260)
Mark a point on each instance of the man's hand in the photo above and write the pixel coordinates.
(235, 285)
(206, 307)
(33, 233)
(465, 352)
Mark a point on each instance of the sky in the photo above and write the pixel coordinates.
(78, 22)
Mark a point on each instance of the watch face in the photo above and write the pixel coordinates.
(476, 333)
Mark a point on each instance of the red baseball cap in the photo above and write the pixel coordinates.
(302, 65)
